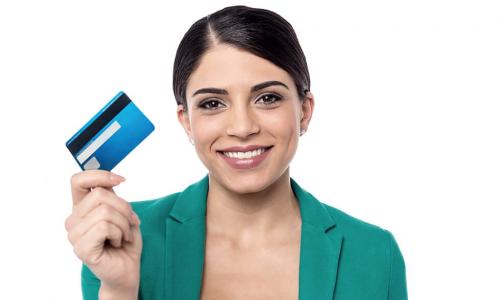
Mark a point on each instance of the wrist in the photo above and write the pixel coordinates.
(111, 293)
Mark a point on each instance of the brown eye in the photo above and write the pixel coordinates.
(210, 104)
(269, 99)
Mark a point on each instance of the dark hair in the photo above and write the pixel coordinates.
(259, 31)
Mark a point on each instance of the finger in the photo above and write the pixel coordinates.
(82, 182)
(90, 247)
(101, 213)
(134, 246)
(100, 196)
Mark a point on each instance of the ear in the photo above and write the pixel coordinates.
(183, 117)
(307, 108)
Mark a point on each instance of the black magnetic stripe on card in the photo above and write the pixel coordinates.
(99, 123)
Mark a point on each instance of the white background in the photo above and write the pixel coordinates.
(405, 133)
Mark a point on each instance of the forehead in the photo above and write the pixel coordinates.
(225, 66)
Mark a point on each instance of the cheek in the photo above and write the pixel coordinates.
(283, 123)
(205, 131)
(285, 126)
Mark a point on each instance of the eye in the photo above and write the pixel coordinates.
(211, 104)
(269, 99)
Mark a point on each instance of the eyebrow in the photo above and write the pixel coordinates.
(255, 88)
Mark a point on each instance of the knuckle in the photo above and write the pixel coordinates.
(104, 226)
(74, 179)
(67, 223)
(106, 210)
(125, 204)
(98, 192)
(77, 249)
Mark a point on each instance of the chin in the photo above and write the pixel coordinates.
(245, 188)
(248, 184)
(242, 183)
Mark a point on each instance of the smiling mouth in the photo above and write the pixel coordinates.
(245, 155)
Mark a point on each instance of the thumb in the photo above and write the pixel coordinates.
(83, 182)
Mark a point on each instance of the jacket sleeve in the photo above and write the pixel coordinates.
(397, 272)
(90, 284)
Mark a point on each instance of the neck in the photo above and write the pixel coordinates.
(251, 216)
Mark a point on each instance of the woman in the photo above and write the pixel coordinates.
(246, 230)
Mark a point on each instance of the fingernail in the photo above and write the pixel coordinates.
(133, 219)
(116, 178)
(137, 220)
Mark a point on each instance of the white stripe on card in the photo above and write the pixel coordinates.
(98, 142)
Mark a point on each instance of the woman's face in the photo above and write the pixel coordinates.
(237, 99)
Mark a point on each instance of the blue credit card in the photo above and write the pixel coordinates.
(110, 135)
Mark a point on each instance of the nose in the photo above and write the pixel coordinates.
(242, 122)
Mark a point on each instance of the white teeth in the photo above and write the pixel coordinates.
(242, 155)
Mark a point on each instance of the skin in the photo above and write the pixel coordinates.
(99, 214)
(253, 218)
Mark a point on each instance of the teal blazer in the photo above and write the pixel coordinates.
(341, 257)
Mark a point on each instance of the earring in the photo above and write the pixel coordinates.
(302, 131)
(191, 140)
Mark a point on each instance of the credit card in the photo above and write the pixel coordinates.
(110, 135)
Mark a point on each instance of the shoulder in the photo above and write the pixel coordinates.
(161, 203)
(362, 235)
(368, 244)
(354, 227)
(156, 209)
(160, 208)
(369, 256)
(364, 239)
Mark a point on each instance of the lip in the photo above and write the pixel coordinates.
(243, 148)
(245, 163)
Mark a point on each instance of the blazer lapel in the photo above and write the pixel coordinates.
(320, 248)
(185, 245)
